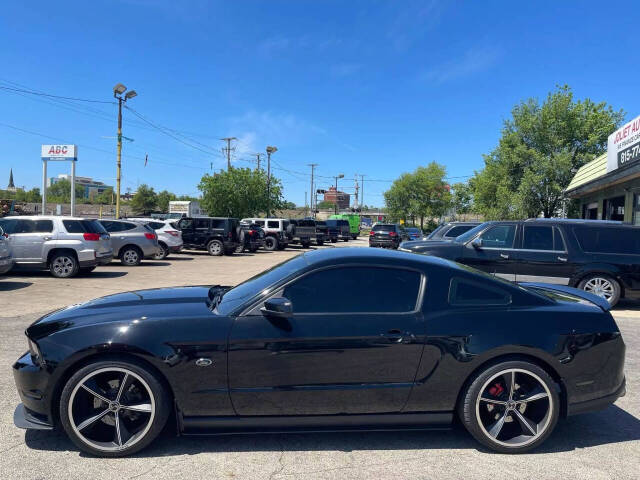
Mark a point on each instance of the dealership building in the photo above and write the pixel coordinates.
(608, 187)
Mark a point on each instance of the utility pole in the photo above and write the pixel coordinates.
(355, 206)
(270, 150)
(335, 205)
(228, 150)
(118, 90)
(258, 155)
(313, 166)
(305, 199)
(362, 189)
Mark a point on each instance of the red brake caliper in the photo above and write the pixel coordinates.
(496, 390)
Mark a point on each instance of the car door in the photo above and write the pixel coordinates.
(187, 227)
(29, 237)
(543, 256)
(492, 250)
(353, 345)
(115, 229)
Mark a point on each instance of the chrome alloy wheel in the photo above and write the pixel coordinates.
(130, 257)
(215, 248)
(601, 287)
(111, 409)
(63, 266)
(514, 408)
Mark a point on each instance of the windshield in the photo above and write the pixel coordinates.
(469, 234)
(258, 284)
(432, 234)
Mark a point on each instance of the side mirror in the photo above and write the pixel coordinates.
(277, 307)
(477, 243)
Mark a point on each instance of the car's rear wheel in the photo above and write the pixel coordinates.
(131, 256)
(511, 407)
(270, 243)
(163, 252)
(64, 265)
(603, 286)
(113, 408)
(239, 249)
(215, 248)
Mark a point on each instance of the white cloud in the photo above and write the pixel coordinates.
(474, 60)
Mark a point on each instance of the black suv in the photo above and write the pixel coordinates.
(250, 237)
(338, 230)
(387, 235)
(601, 257)
(450, 230)
(215, 234)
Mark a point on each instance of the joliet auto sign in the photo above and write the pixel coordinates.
(624, 145)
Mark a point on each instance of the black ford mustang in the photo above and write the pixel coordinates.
(340, 339)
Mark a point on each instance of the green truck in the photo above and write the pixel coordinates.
(354, 222)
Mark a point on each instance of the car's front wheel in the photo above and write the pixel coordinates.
(511, 407)
(215, 248)
(113, 408)
(603, 286)
(270, 244)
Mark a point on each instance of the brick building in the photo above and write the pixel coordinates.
(335, 196)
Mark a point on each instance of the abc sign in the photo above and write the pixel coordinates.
(59, 151)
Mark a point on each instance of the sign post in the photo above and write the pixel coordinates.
(59, 153)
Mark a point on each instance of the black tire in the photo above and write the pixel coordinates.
(215, 248)
(239, 249)
(131, 256)
(320, 242)
(474, 412)
(271, 244)
(334, 240)
(306, 244)
(346, 239)
(282, 246)
(154, 393)
(602, 285)
(253, 249)
(86, 270)
(164, 252)
(64, 265)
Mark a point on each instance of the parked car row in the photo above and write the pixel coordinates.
(67, 246)
(600, 257)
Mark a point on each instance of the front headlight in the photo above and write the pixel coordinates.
(36, 355)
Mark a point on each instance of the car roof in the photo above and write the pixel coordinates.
(45, 217)
(375, 255)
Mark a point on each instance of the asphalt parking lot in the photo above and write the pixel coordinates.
(602, 445)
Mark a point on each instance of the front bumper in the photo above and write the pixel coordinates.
(23, 418)
(31, 381)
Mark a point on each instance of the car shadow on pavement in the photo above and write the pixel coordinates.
(175, 258)
(612, 425)
(8, 286)
(102, 274)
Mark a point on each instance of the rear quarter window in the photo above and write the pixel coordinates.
(464, 292)
(458, 230)
(620, 240)
(83, 226)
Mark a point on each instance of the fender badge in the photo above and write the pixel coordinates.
(204, 362)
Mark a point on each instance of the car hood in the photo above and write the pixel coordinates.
(178, 302)
(426, 245)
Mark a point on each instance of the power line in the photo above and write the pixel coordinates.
(41, 94)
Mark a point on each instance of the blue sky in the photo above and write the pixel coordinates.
(359, 86)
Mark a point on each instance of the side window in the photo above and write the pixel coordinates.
(625, 240)
(202, 223)
(273, 224)
(457, 230)
(558, 241)
(43, 226)
(217, 223)
(260, 223)
(355, 290)
(538, 237)
(464, 292)
(8, 225)
(74, 226)
(185, 224)
(499, 236)
(156, 225)
(25, 226)
(125, 226)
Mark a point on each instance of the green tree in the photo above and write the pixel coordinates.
(144, 201)
(164, 197)
(107, 197)
(326, 205)
(239, 192)
(462, 198)
(288, 205)
(541, 148)
(419, 195)
(60, 192)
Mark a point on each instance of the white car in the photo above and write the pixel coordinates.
(6, 259)
(169, 237)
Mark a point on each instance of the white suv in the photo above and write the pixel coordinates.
(169, 237)
(63, 245)
(275, 232)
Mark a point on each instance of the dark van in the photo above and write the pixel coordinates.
(338, 230)
(217, 235)
(601, 257)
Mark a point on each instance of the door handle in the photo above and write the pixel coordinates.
(47, 238)
(393, 336)
(505, 256)
(562, 259)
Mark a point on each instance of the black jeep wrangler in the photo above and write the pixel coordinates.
(217, 235)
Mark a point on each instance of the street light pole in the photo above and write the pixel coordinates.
(270, 150)
(335, 204)
(118, 90)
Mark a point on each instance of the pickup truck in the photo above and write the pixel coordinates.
(301, 231)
